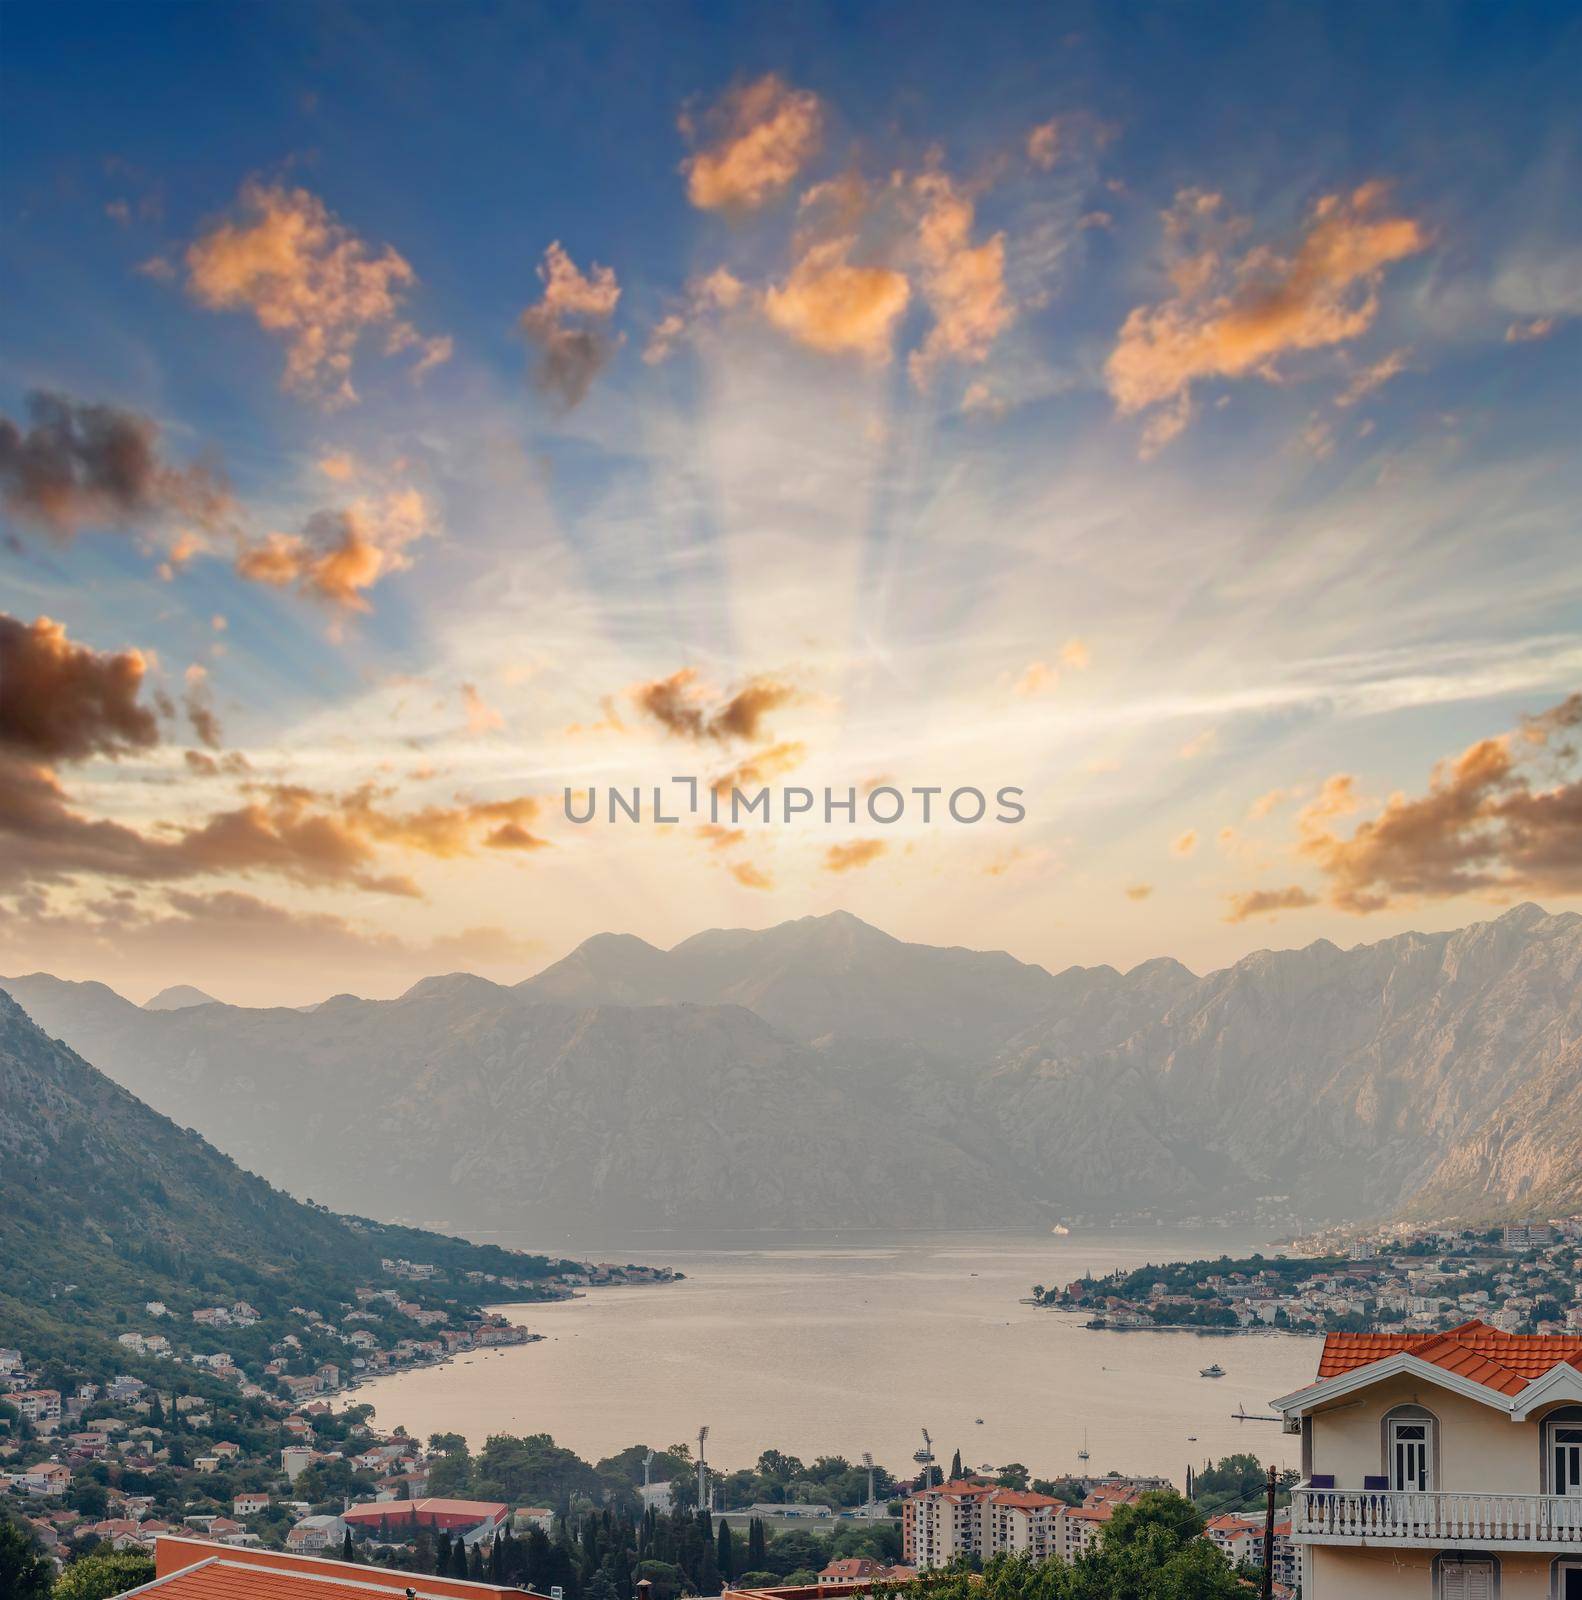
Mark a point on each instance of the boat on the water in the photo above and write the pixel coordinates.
(1215, 1371)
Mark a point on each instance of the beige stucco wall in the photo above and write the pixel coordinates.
(1480, 1450)
(1407, 1575)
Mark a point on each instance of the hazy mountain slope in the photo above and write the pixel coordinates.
(1428, 1071)
(475, 1106)
(99, 1192)
(1437, 1072)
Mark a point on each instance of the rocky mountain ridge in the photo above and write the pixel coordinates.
(823, 1074)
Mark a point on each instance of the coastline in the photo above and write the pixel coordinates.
(800, 1349)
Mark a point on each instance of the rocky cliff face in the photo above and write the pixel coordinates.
(822, 1074)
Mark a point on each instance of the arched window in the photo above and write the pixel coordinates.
(1562, 1447)
(1411, 1448)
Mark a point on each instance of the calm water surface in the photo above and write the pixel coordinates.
(855, 1343)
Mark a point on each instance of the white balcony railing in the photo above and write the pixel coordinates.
(1409, 1516)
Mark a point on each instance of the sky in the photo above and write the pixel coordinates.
(412, 415)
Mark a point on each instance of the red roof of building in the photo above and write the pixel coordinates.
(1024, 1499)
(1229, 1522)
(400, 1510)
(192, 1569)
(1504, 1362)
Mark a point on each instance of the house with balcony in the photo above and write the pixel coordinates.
(1440, 1466)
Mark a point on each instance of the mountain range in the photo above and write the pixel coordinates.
(822, 1074)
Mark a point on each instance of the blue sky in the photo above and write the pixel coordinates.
(1160, 408)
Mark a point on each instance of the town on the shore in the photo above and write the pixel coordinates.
(1519, 1277)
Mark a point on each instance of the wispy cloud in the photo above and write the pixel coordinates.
(309, 279)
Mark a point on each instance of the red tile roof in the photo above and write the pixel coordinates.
(1025, 1499)
(192, 1569)
(401, 1510)
(1504, 1362)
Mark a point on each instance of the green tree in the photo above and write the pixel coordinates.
(955, 1466)
(795, 1549)
(24, 1570)
(779, 1467)
(725, 1554)
(1156, 1509)
(102, 1574)
(451, 1475)
(91, 1499)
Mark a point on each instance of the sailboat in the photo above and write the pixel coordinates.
(1082, 1454)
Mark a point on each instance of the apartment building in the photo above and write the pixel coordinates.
(1444, 1466)
(968, 1517)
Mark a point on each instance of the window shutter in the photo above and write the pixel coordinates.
(1466, 1580)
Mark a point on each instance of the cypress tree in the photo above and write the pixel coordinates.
(475, 1564)
(347, 1553)
(955, 1467)
(725, 1555)
(442, 1554)
(497, 1560)
(458, 1559)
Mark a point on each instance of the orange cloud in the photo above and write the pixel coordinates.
(1235, 312)
(963, 283)
(1138, 891)
(1504, 817)
(831, 304)
(61, 701)
(340, 554)
(569, 325)
(1037, 676)
(1483, 825)
(1525, 332)
(280, 830)
(682, 705)
(760, 136)
(853, 856)
(1184, 844)
(609, 722)
(751, 877)
(1266, 902)
(1364, 382)
(979, 400)
(481, 716)
(1043, 144)
(720, 838)
(308, 278)
(762, 766)
(1265, 803)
